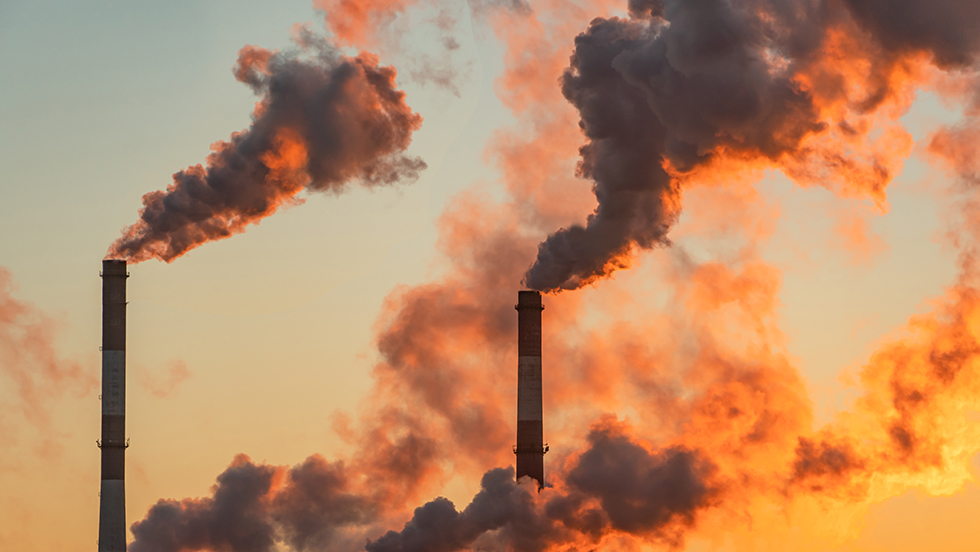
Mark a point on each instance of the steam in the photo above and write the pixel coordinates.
(324, 121)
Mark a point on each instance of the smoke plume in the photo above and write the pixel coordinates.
(683, 85)
(324, 120)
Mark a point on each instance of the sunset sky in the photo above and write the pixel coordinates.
(805, 295)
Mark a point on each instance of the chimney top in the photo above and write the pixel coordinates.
(114, 267)
(528, 299)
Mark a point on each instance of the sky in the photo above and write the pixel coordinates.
(359, 318)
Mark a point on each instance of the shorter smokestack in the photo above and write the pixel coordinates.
(530, 448)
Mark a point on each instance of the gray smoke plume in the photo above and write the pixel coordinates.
(649, 93)
(246, 513)
(325, 120)
(639, 492)
(233, 519)
(685, 79)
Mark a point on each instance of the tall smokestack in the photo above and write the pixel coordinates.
(530, 447)
(112, 502)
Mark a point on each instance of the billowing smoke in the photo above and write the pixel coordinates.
(686, 84)
(324, 121)
(652, 95)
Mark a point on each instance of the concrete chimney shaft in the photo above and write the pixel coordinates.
(530, 447)
(112, 502)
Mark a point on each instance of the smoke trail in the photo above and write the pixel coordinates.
(324, 121)
(649, 94)
(28, 358)
(233, 519)
(684, 85)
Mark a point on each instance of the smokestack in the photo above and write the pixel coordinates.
(530, 446)
(112, 502)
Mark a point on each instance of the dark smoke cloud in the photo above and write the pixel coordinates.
(685, 80)
(324, 121)
(316, 503)
(234, 518)
(616, 485)
(641, 492)
(250, 511)
(650, 93)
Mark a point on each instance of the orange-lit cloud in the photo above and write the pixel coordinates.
(357, 22)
